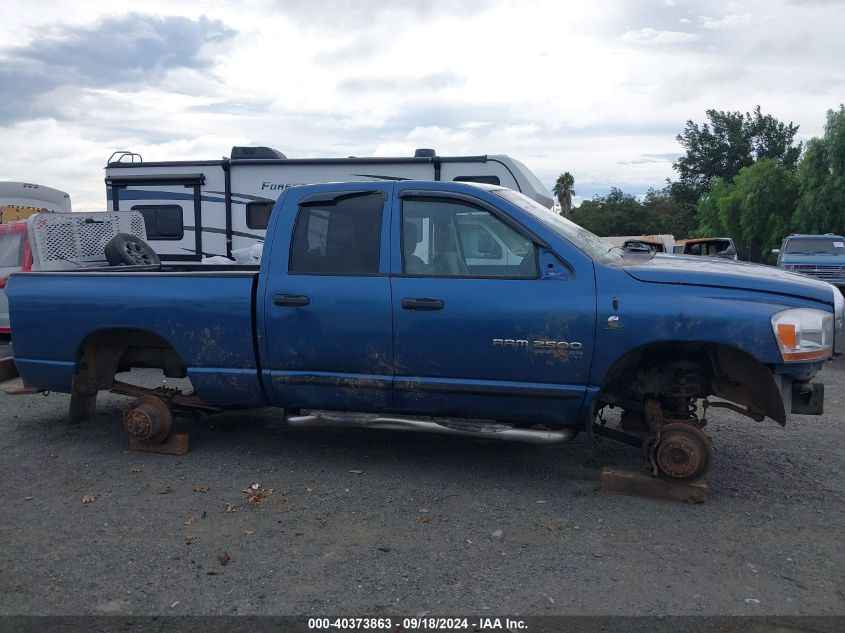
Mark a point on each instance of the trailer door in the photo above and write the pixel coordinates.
(171, 206)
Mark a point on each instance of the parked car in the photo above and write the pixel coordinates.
(708, 246)
(19, 200)
(643, 243)
(372, 307)
(819, 256)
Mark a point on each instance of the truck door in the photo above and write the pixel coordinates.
(327, 318)
(487, 322)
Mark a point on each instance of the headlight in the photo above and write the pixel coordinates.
(838, 308)
(788, 267)
(803, 334)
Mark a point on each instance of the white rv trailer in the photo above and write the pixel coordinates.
(18, 200)
(196, 209)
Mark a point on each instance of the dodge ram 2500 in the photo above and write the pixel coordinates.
(460, 308)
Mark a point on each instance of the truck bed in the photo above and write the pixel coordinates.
(217, 347)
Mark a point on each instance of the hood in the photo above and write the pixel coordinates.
(722, 273)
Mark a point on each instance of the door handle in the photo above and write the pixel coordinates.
(291, 300)
(423, 304)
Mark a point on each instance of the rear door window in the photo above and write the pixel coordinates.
(339, 237)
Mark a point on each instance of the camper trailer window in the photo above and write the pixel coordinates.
(258, 214)
(163, 221)
(487, 180)
(343, 238)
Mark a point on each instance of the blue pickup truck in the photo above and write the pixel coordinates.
(461, 308)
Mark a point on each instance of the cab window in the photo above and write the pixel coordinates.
(450, 238)
(339, 237)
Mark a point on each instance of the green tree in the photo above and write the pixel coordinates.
(821, 180)
(617, 213)
(666, 213)
(620, 213)
(710, 219)
(564, 192)
(728, 142)
(755, 209)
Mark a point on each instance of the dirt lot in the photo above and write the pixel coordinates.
(367, 523)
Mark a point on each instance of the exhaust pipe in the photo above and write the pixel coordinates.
(465, 428)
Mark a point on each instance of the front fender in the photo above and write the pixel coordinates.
(633, 314)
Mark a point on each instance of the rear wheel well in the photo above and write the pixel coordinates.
(669, 372)
(107, 352)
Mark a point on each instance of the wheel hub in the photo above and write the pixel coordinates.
(682, 453)
(137, 254)
(148, 419)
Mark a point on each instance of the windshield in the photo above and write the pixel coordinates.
(706, 247)
(832, 246)
(580, 237)
(642, 245)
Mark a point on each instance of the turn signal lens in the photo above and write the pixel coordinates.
(786, 334)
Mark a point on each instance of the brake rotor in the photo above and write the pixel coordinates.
(682, 452)
(148, 419)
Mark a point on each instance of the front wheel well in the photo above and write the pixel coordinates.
(667, 371)
(107, 352)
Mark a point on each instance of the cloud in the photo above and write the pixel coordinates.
(434, 81)
(340, 15)
(647, 159)
(728, 21)
(135, 49)
(595, 89)
(650, 36)
(357, 49)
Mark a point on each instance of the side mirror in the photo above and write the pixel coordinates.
(775, 251)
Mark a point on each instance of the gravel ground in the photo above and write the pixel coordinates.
(373, 523)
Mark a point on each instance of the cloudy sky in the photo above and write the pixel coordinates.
(596, 88)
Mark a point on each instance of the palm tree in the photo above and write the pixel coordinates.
(564, 192)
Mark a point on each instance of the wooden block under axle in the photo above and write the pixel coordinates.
(631, 482)
(7, 368)
(175, 444)
(16, 387)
